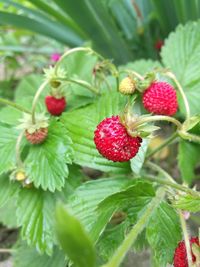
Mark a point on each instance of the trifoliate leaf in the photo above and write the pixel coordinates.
(46, 163)
(187, 203)
(188, 157)
(25, 256)
(81, 130)
(164, 233)
(181, 55)
(73, 239)
(35, 209)
(8, 139)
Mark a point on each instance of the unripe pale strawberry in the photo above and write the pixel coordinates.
(38, 136)
(54, 105)
(127, 86)
(160, 98)
(180, 255)
(113, 141)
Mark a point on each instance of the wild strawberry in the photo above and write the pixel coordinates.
(160, 98)
(127, 86)
(159, 44)
(55, 106)
(180, 255)
(113, 141)
(36, 132)
(37, 137)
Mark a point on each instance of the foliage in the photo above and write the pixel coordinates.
(131, 27)
(122, 205)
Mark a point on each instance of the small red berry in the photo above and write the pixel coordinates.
(37, 137)
(113, 141)
(55, 106)
(159, 44)
(160, 98)
(180, 255)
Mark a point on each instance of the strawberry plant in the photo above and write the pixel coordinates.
(85, 112)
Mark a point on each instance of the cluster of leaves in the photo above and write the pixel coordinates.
(55, 169)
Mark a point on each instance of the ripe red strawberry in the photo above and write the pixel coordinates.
(55, 106)
(38, 136)
(160, 98)
(113, 141)
(180, 255)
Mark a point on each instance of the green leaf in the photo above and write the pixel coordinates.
(46, 163)
(95, 21)
(28, 86)
(47, 27)
(74, 239)
(188, 203)
(8, 139)
(188, 157)
(180, 54)
(191, 123)
(164, 233)
(138, 160)
(35, 213)
(8, 213)
(141, 66)
(131, 201)
(7, 189)
(81, 130)
(24, 256)
(83, 203)
(111, 239)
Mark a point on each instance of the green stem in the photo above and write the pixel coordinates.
(160, 170)
(17, 150)
(190, 137)
(186, 239)
(134, 73)
(164, 144)
(35, 100)
(14, 105)
(80, 82)
(173, 185)
(161, 118)
(187, 107)
(74, 50)
(119, 255)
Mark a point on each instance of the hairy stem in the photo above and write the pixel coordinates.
(164, 144)
(173, 185)
(74, 50)
(82, 83)
(161, 118)
(134, 73)
(186, 239)
(14, 105)
(190, 137)
(187, 107)
(161, 171)
(119, 255)
(35, 100)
